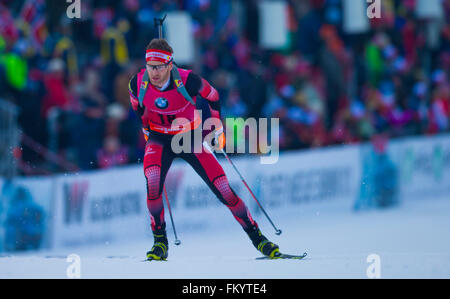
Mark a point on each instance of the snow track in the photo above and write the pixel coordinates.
(412, 241)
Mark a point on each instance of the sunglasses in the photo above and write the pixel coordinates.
(158, 67)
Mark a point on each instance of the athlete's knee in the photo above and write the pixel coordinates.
(153, 177)
(224, 191)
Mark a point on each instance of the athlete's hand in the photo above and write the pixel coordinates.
(140, 110)
(219, 140)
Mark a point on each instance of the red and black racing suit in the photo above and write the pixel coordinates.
(159, 154)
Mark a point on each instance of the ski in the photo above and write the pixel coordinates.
(283, 256)
(151, 259)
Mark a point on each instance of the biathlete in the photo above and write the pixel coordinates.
(158, 88)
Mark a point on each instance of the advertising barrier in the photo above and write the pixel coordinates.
(99, 207)
(110, 205)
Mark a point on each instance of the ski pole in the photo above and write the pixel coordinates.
(277, 231)
(177, 242)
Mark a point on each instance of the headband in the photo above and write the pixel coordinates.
(158, 55)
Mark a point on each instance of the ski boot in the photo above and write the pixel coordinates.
(261, 243)
(160, 247)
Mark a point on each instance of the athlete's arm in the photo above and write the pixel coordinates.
(196, 85)
(134, 100)
(132, 90)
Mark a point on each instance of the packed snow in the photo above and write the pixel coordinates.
(411, 240)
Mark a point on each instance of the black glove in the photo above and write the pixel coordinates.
(140, 110)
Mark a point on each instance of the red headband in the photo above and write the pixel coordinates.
(158, 55)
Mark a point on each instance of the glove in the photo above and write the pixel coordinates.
(219, 141)
(140, 110)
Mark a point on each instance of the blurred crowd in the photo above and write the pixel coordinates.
(70, 76)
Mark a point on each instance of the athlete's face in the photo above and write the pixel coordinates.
(158, 72)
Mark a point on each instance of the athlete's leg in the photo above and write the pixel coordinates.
(157, 160)
(212, 173)
(206, 165)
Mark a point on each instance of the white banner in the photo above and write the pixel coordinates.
(273, 21)
(309, 176)
(100, 207)
(356, 19)
(432, 9)
(110, 205)
(180, 37)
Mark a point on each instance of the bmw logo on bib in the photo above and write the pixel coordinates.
(161, 103)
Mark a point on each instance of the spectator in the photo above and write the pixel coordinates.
(112, 153)
(91, 125)
(379, 185)
(57, 94)
(24, 222)
(325, 87)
